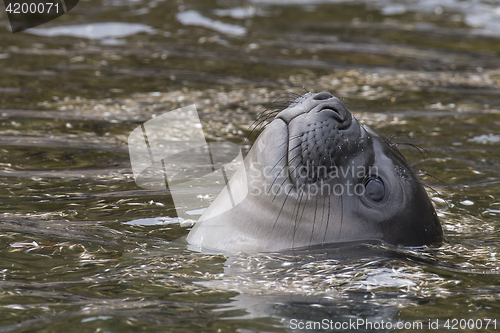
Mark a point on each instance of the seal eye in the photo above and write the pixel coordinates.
(374, 189)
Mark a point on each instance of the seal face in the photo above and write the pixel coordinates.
(316, 176)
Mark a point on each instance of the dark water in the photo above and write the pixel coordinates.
(84, 249)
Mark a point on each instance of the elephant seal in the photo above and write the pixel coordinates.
(316, 176)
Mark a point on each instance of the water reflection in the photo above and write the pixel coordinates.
(192, 17)
(93, 30)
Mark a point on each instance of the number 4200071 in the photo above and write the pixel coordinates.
(455, 324)
(32, 8)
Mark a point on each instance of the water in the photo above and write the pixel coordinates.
(83, 247)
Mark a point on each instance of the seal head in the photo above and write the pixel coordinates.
(316, 176)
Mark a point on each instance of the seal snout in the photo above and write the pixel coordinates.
(322, 96)
(330, 105)
(320, 135)
(334, 108)
(340, 116)
(314, 103)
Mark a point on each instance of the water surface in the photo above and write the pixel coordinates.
(82, 246)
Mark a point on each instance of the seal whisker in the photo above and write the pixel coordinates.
(302, 214)
(281, 209)
(296, 146)
(275, 178)
(421, 150)
(332, 162)
(265, 113)
(295, 95)
(293, 158)
(417, 147)
(256, 126)
(273, 110)
(294, 181)
(314, 221)
(429, 175)
(297, 204)
(385, 129)
(265, 117)
(285, 103)
(327, 219)
(283, 100)
(279, 173)
(432, 189)
(294, 168)
(341, 216)
(290, 139)
(390, 136)
(262, 117)
(281, 186)
(281, 159)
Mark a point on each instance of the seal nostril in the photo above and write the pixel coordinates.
(322, 96)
